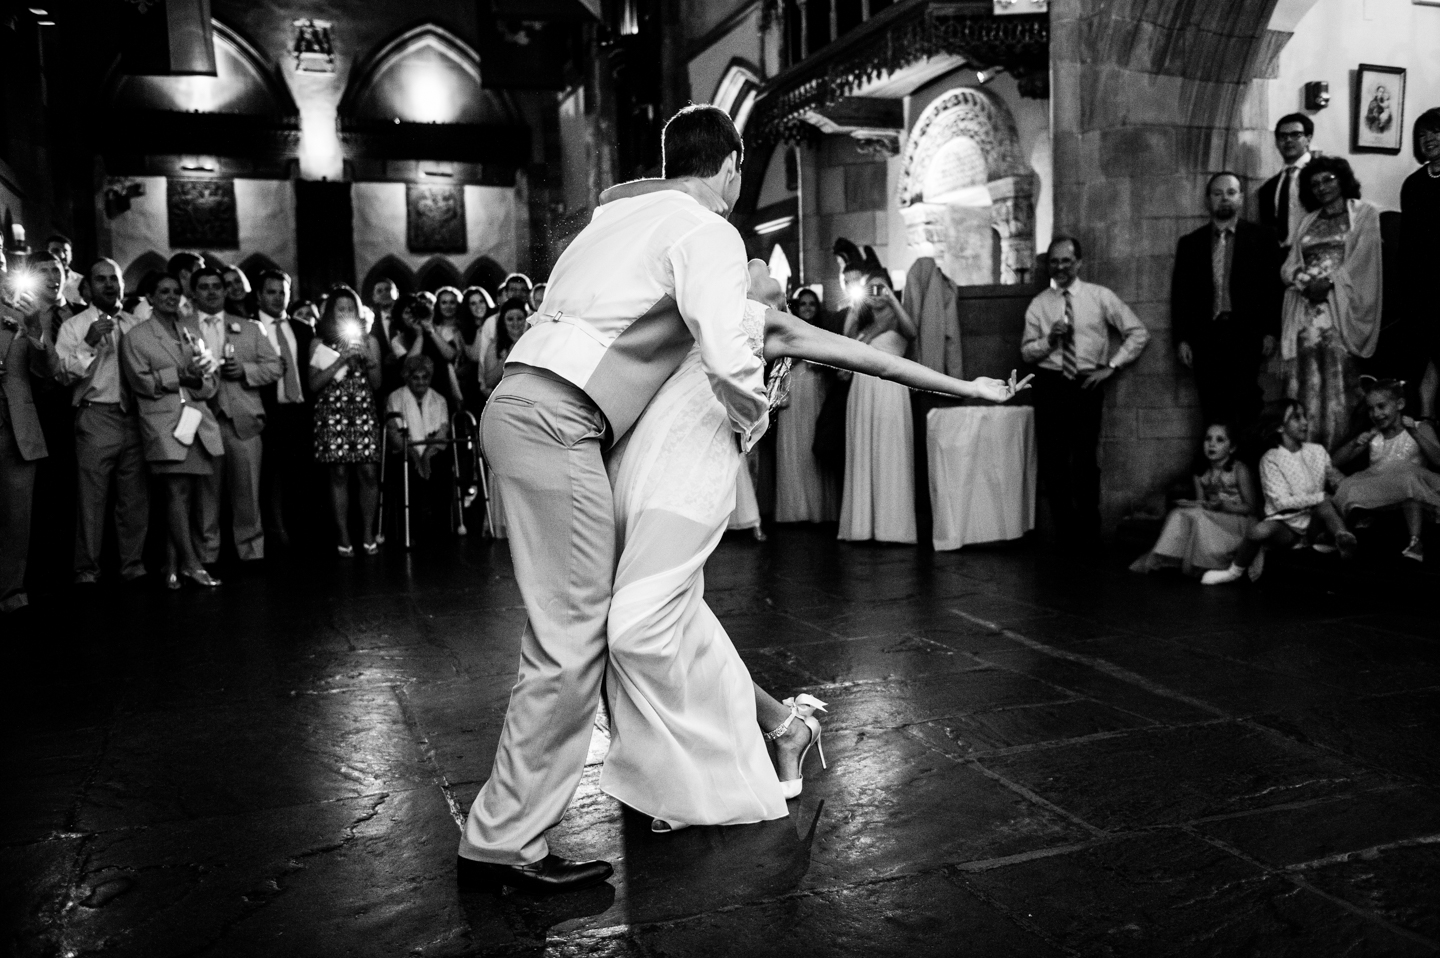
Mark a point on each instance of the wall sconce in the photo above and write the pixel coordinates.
(117, 198)
(989, 73)
(1317, 95)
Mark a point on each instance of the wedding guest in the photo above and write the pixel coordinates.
(803, 491)
(1224, 307)
(181, 266)
(59, 246)
(1420, 247)
(1279, 196)
(510, 326)
(1203, 532)
(287, 442)
(172, 373)
(1067, 332)
(878, 499)
(108, 447)
(52, 556)
(1403, 456)
(239, 300)
(386, 323)
(248, 363)
(422, 413)
(1333, 295)
(344, 378)
(476, 308)
(1294, 476)
(27, 361)
(447, 328)
(304, 313)
(516, 286)
(537, 297)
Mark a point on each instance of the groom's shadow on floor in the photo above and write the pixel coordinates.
(701, 869)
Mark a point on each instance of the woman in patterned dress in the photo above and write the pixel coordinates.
(1332, 298)
(347, 433)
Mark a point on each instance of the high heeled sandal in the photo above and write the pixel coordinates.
(803, 707)
(345, 552)
(201, 578)
(661, 827)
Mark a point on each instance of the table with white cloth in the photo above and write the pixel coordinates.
(982, 473)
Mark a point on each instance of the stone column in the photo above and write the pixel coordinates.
(1148, 100)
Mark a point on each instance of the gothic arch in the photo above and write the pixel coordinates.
(437, 272)
(964, 111)
(245, 83)
(255, 264)
(485, 272)
(392, 268)
(737, 90)
(141, 265)
(425, 75)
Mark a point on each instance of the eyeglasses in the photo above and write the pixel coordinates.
(1293, 135)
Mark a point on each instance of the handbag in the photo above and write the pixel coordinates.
(190, 418)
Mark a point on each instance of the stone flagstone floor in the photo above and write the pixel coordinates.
(1029, 755)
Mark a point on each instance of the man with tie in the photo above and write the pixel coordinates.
(27, 360)
(1224, 305)
(382, 301)
(288, 454)
(108, 447)
(1279, 196)
(247, 364)
(1067, 332)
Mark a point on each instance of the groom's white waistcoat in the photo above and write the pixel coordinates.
(649, 278)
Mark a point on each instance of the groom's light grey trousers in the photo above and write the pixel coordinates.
(544, 438)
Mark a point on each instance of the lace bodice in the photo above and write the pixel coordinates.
(753, 323)
(1222, 487)
(1401, 448)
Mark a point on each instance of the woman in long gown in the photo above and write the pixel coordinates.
(803, 491)
(879, 498)
(685, 718)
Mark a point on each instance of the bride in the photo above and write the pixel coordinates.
(688, 725)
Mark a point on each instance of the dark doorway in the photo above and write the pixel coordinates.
(324, 237)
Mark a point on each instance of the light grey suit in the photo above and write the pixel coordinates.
(22, 445)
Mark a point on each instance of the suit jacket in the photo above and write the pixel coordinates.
(1266, 199)
(23, 361)
(304, 335)
(239, 400)
(390, 364)
(1254, 283)
(151, 362)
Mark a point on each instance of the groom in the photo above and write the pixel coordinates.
(649, 278)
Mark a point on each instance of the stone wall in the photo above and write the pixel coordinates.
(846, 194)
(1149, 98)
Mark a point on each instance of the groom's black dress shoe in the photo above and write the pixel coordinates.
(549, 875)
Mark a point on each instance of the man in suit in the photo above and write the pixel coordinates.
(1224, 311)
(248, 363)
(285, 473)
(1279, 196)
(1067, 333)
(382, 302)
(27, 359)
(107, 430)
(60, 247)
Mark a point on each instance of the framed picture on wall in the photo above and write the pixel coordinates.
(1378, 121)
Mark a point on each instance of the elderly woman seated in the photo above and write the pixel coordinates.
(417, 423)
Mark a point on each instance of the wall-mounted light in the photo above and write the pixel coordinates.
(1317, 95)
(118, 197)
(199, 164)
(988, 74)
(772, 226)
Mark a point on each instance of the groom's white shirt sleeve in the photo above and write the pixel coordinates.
(708, 265)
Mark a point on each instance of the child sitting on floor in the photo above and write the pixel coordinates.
(1293, 476)
(1204, 532)
(1403, 456)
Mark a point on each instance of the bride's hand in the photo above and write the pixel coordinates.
(999, 390)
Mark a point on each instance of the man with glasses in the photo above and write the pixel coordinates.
(1280, 209)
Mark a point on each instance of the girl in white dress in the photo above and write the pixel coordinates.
(803, 491)
(686, 720)
(879, 490)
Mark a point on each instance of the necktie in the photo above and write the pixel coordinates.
(287, 356)
(1068, 363)
(1220, 302)
(1282, 206)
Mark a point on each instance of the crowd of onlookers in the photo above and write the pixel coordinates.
(218, 400)
(232, 412)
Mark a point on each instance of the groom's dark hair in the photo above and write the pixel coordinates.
(697, 140)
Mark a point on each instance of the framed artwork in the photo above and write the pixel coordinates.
(435, 219)
(1378, 122)
(202, 214)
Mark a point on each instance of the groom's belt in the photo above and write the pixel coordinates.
(631, 367)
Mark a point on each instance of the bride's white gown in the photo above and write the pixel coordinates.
(685, 746)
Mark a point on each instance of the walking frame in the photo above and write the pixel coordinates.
(469, 441)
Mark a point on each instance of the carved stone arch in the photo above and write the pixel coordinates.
(255, 264)
(737, 90)
(963, 183)
(485, 272)
(424, 75)
(245, 83)
(436, 272)
(141, 265)
(392, 268)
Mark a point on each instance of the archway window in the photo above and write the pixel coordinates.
(242, 84)
(426, 75)
(736, 93)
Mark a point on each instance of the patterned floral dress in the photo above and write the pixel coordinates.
(1323, 377)
(346, 428)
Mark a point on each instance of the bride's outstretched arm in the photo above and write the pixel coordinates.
(786, 335)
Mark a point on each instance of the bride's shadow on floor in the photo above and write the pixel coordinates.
(701, 869)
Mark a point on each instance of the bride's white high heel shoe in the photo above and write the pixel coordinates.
(802, 707)
(661, 827)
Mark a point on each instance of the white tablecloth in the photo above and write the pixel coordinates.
(982, 473)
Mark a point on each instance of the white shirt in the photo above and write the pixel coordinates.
(94, 371)
(634, 253)
(212, 327)
(274, 329)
